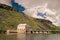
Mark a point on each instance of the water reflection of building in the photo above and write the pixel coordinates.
(21, 36)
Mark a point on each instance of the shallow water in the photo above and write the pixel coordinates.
(30, 37)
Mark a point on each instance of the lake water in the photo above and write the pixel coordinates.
(30, 37)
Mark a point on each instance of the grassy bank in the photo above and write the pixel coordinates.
(10, 18)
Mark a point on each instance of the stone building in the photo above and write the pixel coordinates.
(21, 28)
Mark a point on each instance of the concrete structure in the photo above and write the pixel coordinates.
(8, 32)
(21, 28)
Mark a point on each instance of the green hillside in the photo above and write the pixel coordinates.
(10, 18)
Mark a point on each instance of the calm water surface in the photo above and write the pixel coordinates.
(30, 37)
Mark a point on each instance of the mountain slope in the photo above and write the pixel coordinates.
(10, 18)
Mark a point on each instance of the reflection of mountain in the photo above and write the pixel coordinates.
(43, 37)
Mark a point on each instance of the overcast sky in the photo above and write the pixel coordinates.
(52, 4)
